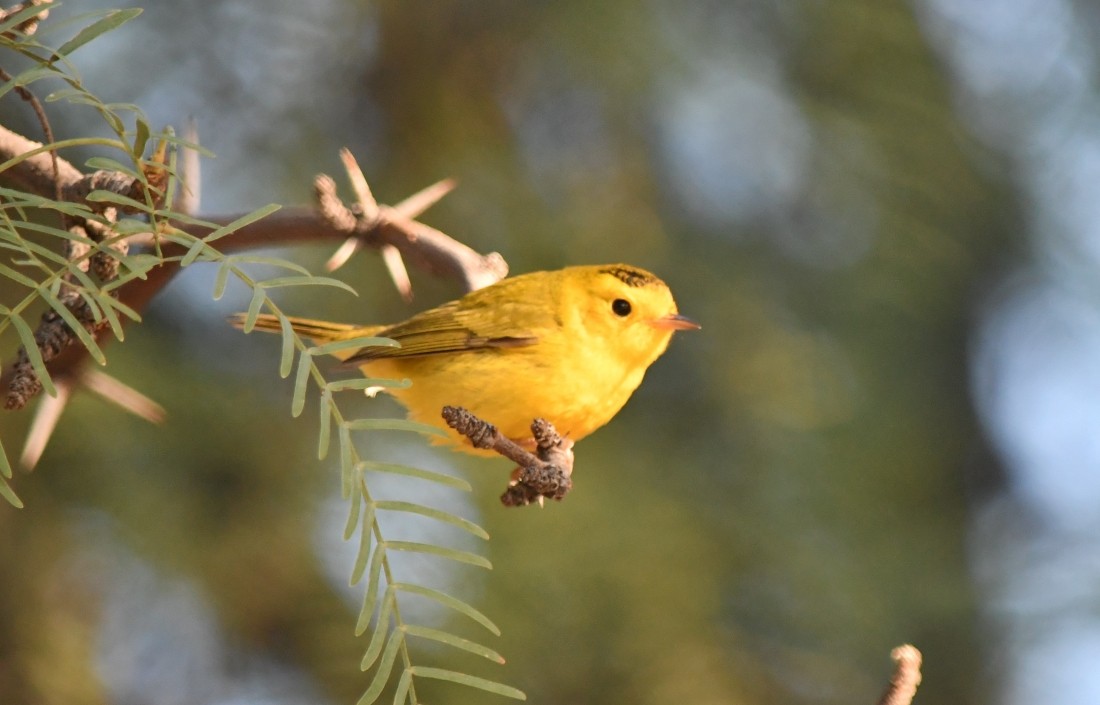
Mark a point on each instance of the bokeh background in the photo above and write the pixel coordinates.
(884, 213)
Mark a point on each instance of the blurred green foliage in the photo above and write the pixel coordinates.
(783, 501)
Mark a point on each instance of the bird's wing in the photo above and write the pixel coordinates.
(454, 327)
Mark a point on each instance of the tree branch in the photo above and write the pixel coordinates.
(393, 230)
(34, 173)
(547, 474)
(423, 246)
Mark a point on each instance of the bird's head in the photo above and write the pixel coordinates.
(628, 308)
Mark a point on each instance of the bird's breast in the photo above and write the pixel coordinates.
(510, 388)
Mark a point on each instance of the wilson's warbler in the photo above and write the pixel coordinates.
(569, 346)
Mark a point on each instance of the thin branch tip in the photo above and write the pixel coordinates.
(543, 475)
(368, 206)
(906, 677)
(425, 198)
(481, 434)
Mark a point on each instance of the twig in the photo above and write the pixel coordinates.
(44, 423)
(368, 213)
(122, 395)
(424, 199)
(546, 474)
(906, 678)
(362, 223)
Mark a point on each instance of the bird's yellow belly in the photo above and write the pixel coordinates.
(509, 393)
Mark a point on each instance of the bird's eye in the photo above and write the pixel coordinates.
(621, 307)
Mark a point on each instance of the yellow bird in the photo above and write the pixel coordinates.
(569, 346)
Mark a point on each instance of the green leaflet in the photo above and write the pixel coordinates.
(442, 551)
(361, 383)
(364, 545)
(26, 337)
(268, 261)
(301, 382)
(112, 20)
(385, 666)
(82, 333)
(472, 681)
(437, 514)
(141, 135)
(404, 687)
(5, 474)
(394, 425)
(409, 471)
(304, 280)
(381, 628)
(452, 602)
(221, 279)
(241, 222)
(353, 344)
(258, 298)
(286, 354)
(452, 640)
(324, 434)
(355, 506)
(377, 563)
(9, 494)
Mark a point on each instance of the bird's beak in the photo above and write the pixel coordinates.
(674, 321)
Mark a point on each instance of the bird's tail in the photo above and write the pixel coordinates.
(320, 332)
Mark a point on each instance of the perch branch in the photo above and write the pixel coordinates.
(544, 474)
(906, 678)
(392, 230)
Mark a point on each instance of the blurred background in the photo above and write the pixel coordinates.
(885, 215)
